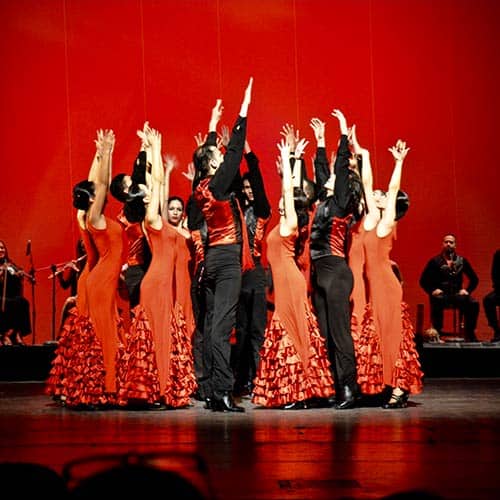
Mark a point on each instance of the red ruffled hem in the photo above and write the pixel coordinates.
(141, 379)
(182, 377)
(77, 372)
(281, 377)
(407, 373)
(368, 354)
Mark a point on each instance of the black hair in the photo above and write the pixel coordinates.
(178, 198)
(201, 161)
(116, 188)
(82, 193)
(357, 195)
(302, 205)
(402, 204)
(134, 208)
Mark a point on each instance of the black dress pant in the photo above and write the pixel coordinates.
(468, 306)
(332, 287)
(222, 291)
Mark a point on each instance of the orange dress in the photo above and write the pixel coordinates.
(160, 363)
(388, 335)
(102, 285)
(182, 280)
(294, 363)
(65, 370)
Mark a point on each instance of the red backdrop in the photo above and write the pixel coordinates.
(425, 71)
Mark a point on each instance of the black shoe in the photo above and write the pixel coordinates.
(296, 405)
(208, 403)
(397, 401)
(226, 404)
(321, 402)
(348, 399)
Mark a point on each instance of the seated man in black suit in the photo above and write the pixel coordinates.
(442, 279)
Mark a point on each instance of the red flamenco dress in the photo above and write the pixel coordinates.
(61, 380)
(387, 346)
(98, 367)
(294, 363)
(160, 363)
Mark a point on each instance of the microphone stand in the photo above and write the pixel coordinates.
(33, 308)
(53, 267)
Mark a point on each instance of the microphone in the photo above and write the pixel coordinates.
(28, 248)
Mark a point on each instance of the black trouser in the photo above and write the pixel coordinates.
(133, 278)
(201, 366)
(332, 287)
(490, 303)
(468, 306)
(16, 316)
(223, 285)
(250, 325)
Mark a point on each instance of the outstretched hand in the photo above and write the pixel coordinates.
(319, 129)
(200, 139)
(342, 121)
(189, 174)
(400, 150)
(300, 147)
(247, 99)
(169, 163)
(291, 135)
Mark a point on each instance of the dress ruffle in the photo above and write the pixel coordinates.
(140, 378)
(54, 385)
(407, 373)
(77, 371)
(281, 376)
(368, 354)
(182, 377)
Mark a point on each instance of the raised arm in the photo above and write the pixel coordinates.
(387, 222)
(169, 165)
(288, 223)
(153, 138)
(101, 177)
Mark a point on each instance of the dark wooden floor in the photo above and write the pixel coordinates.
(447, 442)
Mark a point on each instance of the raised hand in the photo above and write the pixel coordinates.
(319, 129)
(169, 163)
(189, 174)
(342, 121)
(200, 139)
(284, 148)
(300, 147)
(290, 135)
(400, 150)
(247, 98)
(217, 111)
(224, 136)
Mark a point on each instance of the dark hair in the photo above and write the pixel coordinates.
(357, 195)
(201, 159)
(302, 204)
(82, 193)
(178, 198)
(134, 208)
(116, 188)
(402, 204)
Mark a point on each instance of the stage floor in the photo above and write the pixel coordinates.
(446, 442)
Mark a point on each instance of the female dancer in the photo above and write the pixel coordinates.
(387, 326)
(85, 371)
(293, 364)
(160, 367)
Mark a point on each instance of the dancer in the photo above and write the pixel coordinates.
(159, 360)
(228, 252)
(293, 361)
(387, 327)
(138, 252)
(340, 195)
